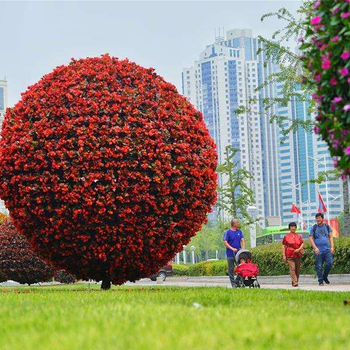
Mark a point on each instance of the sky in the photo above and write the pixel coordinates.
(166, 35)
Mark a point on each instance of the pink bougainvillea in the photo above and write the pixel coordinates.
(106, 169)
(326, 53)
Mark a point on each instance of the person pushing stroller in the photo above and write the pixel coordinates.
(234, 241)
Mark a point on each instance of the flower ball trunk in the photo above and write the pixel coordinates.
(106, 283)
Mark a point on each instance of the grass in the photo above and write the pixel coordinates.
(165, 318)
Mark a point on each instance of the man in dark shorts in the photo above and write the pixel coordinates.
(321, 241)
(234, 241)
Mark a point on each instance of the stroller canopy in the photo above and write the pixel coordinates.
(243, 253)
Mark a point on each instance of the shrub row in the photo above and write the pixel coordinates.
(205, 268)
(208, 268)
(180, 270)
(269, 259)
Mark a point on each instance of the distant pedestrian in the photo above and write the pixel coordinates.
(234, 241)
(321, 241)
(292, 250)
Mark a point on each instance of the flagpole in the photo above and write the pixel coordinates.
(327, 212)
(325, 171)
(297, 187)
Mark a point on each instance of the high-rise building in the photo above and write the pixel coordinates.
(302, 156)
(3, 99)
(269, 131)
(3, 105)
(225, 77)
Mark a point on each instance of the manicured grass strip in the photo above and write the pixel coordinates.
(165, 318)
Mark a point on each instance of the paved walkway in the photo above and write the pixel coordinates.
(339, 283)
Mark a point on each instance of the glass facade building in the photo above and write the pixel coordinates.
(224, 78)
(302, 156)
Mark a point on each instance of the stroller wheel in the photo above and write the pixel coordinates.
(256, 284)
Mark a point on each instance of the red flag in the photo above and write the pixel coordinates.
(334, 224)
(295, 209)
(321, 206)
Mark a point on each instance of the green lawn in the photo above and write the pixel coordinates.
(165, 318)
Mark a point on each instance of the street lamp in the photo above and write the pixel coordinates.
(308, 214)
(253, 212)
(325, 169)
(184, 255)
(192, 254)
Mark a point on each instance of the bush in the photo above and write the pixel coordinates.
(62, 276)
(208, 268)
(2, 277)
(17, 261)
(180, 270)
(106, 169)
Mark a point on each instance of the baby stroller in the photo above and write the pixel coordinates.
(247, 272)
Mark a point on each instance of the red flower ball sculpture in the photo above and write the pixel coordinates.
(106, 169)
(17, 261)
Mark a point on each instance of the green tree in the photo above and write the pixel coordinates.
(207, 241)
(235, 194)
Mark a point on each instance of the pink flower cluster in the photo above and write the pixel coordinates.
(326, 54)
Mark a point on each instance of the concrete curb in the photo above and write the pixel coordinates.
(271, 280)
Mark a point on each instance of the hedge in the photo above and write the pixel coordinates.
(208, 268)
(180, 270)
(269, 259)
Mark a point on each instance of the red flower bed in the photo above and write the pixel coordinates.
(17, 261)
(106, 169)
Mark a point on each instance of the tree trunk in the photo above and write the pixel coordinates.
(346, 208)
(106, 283)
(234, 204)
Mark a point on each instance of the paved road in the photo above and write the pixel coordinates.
(339, 283)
